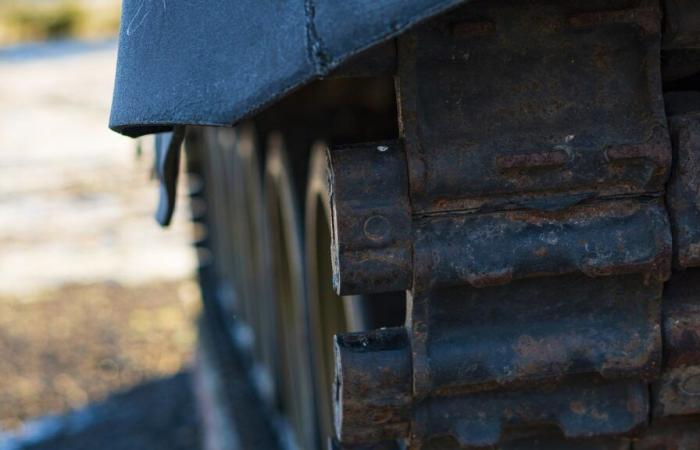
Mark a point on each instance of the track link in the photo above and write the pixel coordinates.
(524, 210)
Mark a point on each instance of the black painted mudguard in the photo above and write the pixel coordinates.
(212, 62)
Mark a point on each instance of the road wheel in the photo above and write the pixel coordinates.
(293, 368)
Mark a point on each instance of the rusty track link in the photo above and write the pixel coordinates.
(531, 213)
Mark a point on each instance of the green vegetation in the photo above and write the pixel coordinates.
(56, 19)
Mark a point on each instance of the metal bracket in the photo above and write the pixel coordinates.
(168, 149)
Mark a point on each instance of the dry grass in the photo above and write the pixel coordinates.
(64, 348)
(22, 20)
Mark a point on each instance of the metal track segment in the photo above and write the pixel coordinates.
(675, 397)
(523, 211)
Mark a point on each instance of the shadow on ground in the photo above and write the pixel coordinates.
(157, 415)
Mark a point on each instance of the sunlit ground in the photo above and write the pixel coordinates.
(94, 297)
(36, 20)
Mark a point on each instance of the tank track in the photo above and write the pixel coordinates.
(541, 209)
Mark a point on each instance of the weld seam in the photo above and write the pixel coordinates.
(315, 50)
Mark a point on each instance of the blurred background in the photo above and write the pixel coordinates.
(97, 303)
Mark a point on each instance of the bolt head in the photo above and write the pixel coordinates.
(377, 228)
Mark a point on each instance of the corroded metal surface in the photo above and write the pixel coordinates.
(491, 249)
(578, 409)
(684, 190)
(374, 369)
(543, 441)
(371, 242)
(682, 319)
(681, 434)
(528, 227)
(677, 392)
(612, 331)
(502, 116)
(682, 24)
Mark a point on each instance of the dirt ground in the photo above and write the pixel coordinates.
(64, 348)
(95, 298)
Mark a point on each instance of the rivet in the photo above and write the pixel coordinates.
(377, 228)
(691, 385)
